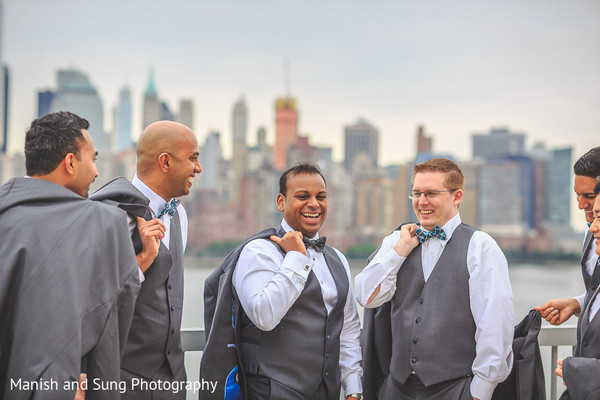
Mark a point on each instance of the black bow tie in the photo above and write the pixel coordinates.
(317, 244)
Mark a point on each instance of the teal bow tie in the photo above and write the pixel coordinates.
(169, 208)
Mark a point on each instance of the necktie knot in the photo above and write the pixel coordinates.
(169, 208)
(317, 244)
(437, 231)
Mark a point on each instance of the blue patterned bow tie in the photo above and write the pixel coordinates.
(438, 232)
(317, 244)
(169, 208)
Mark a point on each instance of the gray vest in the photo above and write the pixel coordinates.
(432, 326)
(155, 330)
(588, 333)
(304, 349)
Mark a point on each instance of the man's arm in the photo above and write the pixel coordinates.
(350, 352)
(268, 282)
(557, 311)
(151, 233)
(492, 308)
(376, 284)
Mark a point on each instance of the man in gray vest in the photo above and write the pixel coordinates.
(167, 161)
(586, 169)
(300, 327)
(450, 296)
(580, 372)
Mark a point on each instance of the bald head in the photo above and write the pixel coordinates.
(167, 150)
(159, 137)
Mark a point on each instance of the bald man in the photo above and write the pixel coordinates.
(167, 161)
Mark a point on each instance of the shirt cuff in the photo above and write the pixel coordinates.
(482, 389)
(298, 263)
(141, 275)
(352, 384)
(580, 299)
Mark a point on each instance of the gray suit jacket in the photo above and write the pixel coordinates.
(68, 281)
(581, 371)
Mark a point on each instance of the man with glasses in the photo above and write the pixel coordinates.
(447, 288)
(586, 169)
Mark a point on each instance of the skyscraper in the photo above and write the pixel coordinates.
(123, 121)
(497, 144)
(212, 158)
(45, 98)
(76, 94)
(152, 108)
(3, 97)
(186, 113)
(239, 151)
(4, 103)
(361, 147)
(286, 129)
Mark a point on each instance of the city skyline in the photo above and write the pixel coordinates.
(457, 68)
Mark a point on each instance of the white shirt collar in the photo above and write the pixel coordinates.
(157, 203)
(286, 227)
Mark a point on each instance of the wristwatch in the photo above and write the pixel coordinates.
(358, 396)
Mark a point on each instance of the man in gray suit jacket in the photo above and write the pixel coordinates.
(167, 161)
(580, 372)
(68, 277)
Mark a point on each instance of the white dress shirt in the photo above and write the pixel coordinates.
(489, 291)
(268, 283)
(156, 204)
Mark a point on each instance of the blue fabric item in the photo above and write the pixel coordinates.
(437, 231)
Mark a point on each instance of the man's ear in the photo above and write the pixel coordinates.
(280, 202)
(164, 161)
(69, 163)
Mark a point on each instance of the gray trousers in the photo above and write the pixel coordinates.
(413, 389)
(149, 390)
(261, 388)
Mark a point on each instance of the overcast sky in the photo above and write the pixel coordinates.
(457, 67)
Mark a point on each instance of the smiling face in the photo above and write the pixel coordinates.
(438, 210)
(185, 166)
(304, 206)
(584, 190)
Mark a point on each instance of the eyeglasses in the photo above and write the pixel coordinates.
(430, 194)
(587, 196)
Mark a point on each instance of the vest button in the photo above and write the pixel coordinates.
(418, 320)
(328, 336)
(327, 355)
(168, 352)
(585, 343)
(170, 286)
(413, 360)
(593, 287)
(172, 308)
(326, 373)
(415, 340)
(172, 331)
(420, 301)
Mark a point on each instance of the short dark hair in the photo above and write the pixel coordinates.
(588, 164)
(597, 186)
(300, 168)
(50, 138)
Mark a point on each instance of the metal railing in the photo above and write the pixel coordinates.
(554, 336)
